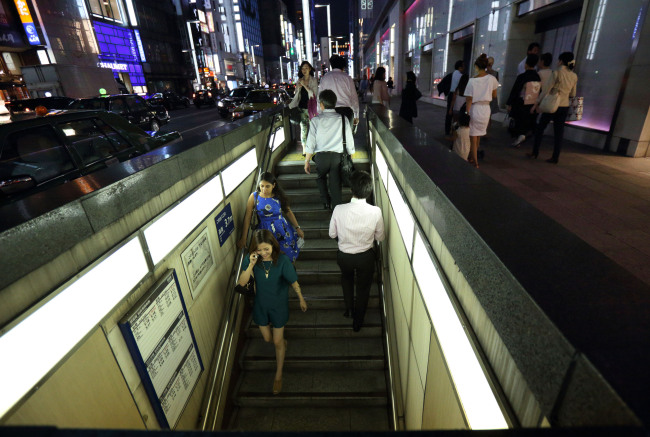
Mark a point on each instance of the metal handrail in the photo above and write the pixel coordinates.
(217, 381)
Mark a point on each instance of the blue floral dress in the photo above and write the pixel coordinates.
(269, 212)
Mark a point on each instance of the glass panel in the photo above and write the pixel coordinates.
(402, 214)
(88, 140)
(36, 152)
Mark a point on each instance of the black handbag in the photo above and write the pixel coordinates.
(247, 290)
(347, 166)
(295, 115)
(255, 218)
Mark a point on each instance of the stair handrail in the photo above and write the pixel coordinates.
(216, 382)
(382, 300)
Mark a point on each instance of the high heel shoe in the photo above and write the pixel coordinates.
(551, 161)
(531, 155)
(277, 386)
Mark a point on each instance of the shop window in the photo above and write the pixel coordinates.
(108, 9)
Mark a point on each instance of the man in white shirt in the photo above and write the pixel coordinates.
(533, 49)
(357, 225)
(325, 140)
(459, 69)
(337, 80)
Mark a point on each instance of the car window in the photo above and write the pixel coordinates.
(259, 97)
(136, 103)
(93, 139)
(118, 105)
(239, 92)
(96, 104)
(37, 152)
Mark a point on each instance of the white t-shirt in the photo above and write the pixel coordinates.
(480, 88)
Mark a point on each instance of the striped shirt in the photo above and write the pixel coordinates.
(357, 225)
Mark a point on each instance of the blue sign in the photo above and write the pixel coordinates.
(32, 36)
(225, 224)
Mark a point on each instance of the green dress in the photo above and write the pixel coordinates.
(272, 293)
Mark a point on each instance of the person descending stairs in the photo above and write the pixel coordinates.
(334, 379)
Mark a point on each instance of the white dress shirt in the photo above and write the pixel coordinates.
(357, 225)
(343, 86)
(455, 79)
(326, 133)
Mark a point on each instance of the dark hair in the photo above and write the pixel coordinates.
(459, 64)
(532, 60)
(264, 236)
(547, 59)
(328, 99)
(481, 62)
(567, 59)
(311, 69)
(380, 73)
(463, 117)
(361, 184)
(532, 45)
(410, 76)
(337, 61)
(278, 192)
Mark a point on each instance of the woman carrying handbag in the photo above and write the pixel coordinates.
(305, 96)
(553, 103)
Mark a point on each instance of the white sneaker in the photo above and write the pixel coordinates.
(520, 139)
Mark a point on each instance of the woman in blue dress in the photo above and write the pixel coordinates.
(273, 274)
(274, 213)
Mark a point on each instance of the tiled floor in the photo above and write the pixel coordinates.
(601, 197)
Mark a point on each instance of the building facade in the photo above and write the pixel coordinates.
(609, 42)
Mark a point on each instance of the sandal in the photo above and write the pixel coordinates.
(277, 386)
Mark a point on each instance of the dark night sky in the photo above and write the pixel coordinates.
(338, 17)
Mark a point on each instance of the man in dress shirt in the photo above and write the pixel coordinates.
(533, 49)
(459, 68)
(356, 225)
(337, 80)
(325, 139)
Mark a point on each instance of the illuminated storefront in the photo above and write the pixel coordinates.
(118, 51)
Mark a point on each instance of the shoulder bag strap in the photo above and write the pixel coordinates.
(345, 149)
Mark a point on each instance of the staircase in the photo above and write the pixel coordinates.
(334, 379)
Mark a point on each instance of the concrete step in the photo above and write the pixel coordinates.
(305, 419)
(311, 211)
(307, 388)
(324, 323)
(328, 296)
(297, 180)
(299, 196)
(319, 249)
(317, 353)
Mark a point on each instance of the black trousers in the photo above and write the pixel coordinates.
(329, 170)
(558, 117)
(524, 120)
(448, 116)
(363, 264)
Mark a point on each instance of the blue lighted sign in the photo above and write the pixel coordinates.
(32, 36)
(225, 224)
(140, 48)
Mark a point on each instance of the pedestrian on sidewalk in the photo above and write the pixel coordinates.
(380, 88)
(410, 94)
(462, 143)
(337, 80)
(325, 140)
(306, 89)
(459, 69)
(363, 87)
(533, 49)
(390, 85)
(480, 91)
(564, 81)
(272, 272)
(271, 205)
(357, 225)
(523, 96)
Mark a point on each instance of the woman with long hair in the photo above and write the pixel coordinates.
(306, 89)
(273, 273)
(272, 207)
(564, 80)
(380, 89)
(480, 91)
(410, 94)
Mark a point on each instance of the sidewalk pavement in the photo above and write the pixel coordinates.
(600, 197)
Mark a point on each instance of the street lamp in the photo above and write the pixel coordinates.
(329, 25)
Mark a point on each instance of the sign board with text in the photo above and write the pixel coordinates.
(225, 224)
(159, 335)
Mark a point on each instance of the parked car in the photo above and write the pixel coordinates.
(41, 152)
(259, 100)
(204, 97)
(17, 107)
(130, 106)
(169, 99)
(236, 96)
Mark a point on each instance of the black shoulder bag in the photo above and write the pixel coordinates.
(347, 167)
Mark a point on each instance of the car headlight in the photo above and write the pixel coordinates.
(221, 104)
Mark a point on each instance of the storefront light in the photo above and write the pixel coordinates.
(131, 10)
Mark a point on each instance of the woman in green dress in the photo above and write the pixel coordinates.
(273, 273)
